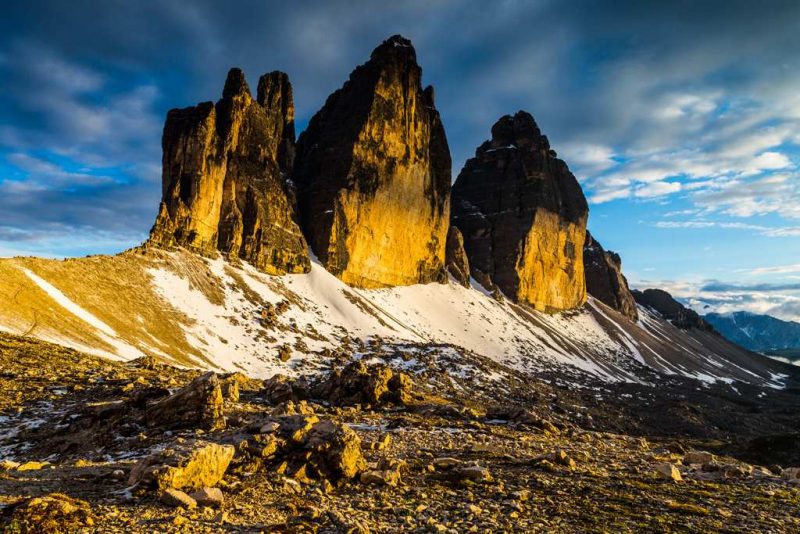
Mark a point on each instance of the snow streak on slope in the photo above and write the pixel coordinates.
(212, 314)
(123, 350)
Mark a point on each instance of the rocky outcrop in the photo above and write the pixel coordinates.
(199, 404)
(373, 175)
(190, 464)
(671, 310)
(604, 278)
(456, 256)
(358, 383)
(523, 217)
(224, 177)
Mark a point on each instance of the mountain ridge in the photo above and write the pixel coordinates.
(757, 332)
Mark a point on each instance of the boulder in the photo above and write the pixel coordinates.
(174, 497)
(358, 383)
(698, 457)
(211, 497)
(668, 471)
(791, 474)
(54, 512)
(335, 450)
(373, 175)
(280, 388)
(388, 473)
(192, 465)
(199, 404)
(523, 217)
(456, 257)
(604, 278)
(224, 184)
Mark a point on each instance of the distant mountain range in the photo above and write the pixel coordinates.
(761, 333)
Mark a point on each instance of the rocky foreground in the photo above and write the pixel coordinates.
(90, 444)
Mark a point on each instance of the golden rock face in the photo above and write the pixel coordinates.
(373, 172)
(523, 218)
(550, 266)
(224, 185)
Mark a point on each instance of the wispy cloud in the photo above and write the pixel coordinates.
(768, 231)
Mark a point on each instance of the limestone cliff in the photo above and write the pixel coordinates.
(604, 278)
(373, 175)
(523, 217)
(456, 256)
(223, 177)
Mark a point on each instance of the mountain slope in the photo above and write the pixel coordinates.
(762, 333)
(208, 313)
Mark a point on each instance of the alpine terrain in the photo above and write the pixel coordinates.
(333, 332)
(760, 333)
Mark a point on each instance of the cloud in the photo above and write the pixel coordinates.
(780, 300)
(768, 231)
(585, 159)
(642, 100)
(780, 269)
(657, 189)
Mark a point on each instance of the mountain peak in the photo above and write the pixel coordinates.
(396, 45)
(523, 217)
(235, 84)
(519, 130)
(373, 173)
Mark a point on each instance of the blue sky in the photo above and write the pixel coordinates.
(681, 119)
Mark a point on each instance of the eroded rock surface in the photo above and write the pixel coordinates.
(523, 217)
(224, 177)
(604, 278)
(373, 175)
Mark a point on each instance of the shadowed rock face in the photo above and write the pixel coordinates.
(671, 310)
(223, 183)
(457, 261)
(604, 278)
(373, 175)
(523, 217)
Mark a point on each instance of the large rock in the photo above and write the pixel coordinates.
(523, 217)
(303, 445)
(358, 383)
(335, 450)
(198, 404)
(224, 177)
(54, 512)
(604, 278)
(670, 309)
(373, 175)
(194, 465)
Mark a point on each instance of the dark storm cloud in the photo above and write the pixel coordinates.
(87, 84)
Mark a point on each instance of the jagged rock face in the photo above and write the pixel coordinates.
(373, 175)
(604, 278)
(224, 185)
(672, 310)
(456, 256)
(523, 217)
